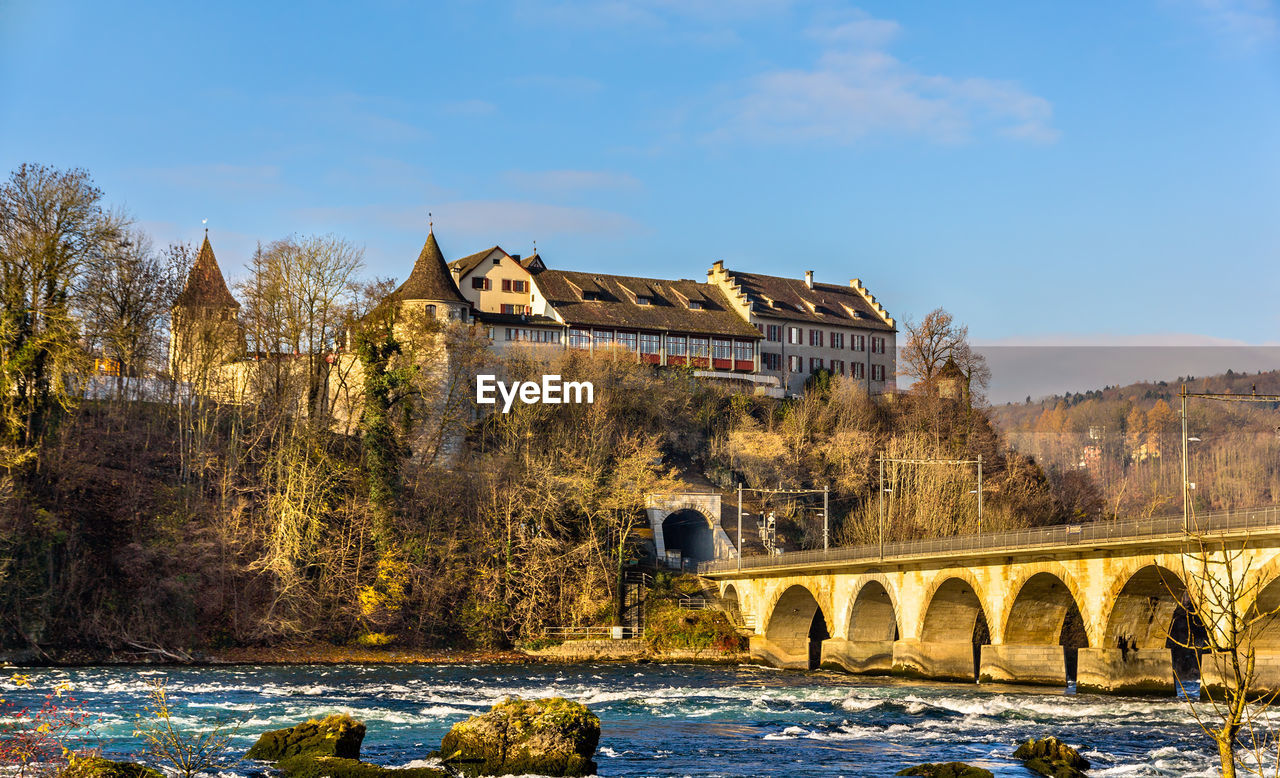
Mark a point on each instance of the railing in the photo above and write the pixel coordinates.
(587, 633)
(1063, 535)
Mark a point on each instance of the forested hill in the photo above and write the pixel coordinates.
(1129, 440)
(1023, 416)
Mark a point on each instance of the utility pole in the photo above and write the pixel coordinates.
(1186, 493)
(826, 522)
(739, 526)
(881, 501)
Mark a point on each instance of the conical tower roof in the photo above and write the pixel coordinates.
(430, 279)
(206, 287)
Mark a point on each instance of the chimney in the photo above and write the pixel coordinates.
(808, 278)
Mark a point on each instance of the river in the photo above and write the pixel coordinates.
(666, 720)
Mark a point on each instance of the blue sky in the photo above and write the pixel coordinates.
(1049, 172)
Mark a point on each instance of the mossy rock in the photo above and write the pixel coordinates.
(1053, 758)
(338, 735)
(947, 770)
(97, 767)
(334, 767)
(550, 736)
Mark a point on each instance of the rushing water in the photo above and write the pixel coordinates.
(667, 720)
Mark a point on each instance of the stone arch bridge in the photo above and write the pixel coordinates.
(1103, 604)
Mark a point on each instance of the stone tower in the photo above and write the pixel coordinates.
(205, 328)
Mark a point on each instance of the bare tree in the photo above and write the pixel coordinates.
(51, 226)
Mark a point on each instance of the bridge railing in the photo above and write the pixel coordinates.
(1062, 535)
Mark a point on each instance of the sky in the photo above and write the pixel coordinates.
(1090, 172)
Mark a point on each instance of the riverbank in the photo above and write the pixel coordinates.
(632, 650)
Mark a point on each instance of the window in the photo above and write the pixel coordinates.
(488, 332)
(858, 342)
(497, 260)
(602, 337)
(773, 333)
(837, 366)
(858, 370)
(699, 348)
(837, 340)
(695, 305)
(518, 310)
(877, 345)
(815, 338)
(627, 340)
(520, 286)
(506, 284)
(794, 335)
(481, 283)
(770, 360)
(429, 310)
(580, 339)
(650, 343)
(815, 364)
(794, 364)
(590, 296)
(721, 349)
(677, 345)
(644, 301)
(877, 372)
(744, 351)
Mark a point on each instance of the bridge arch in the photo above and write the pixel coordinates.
(1145, 598)
(1042, 606)
(731, 602)
(956, 614)
(1264, 587)
(873, 610)
(797, 624)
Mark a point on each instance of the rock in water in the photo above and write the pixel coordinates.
(517, 737)
(947, 770)
(1052, 757)
(97, 767)
(338, 735)
(333, 767)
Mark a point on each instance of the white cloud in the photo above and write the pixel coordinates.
(858, 89)
(569, 180)
(1246, 24)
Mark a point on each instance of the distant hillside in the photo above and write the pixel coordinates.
(1129, 440)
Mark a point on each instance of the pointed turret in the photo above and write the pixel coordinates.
(430, 279)
(206, 288)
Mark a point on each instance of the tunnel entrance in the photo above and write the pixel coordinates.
(686, 534)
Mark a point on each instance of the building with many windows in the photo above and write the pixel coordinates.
(807, 326)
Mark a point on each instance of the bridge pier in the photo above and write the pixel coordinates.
(1266, 674)
(1137, 671)
(863, 657)
(936, 661)
(1042, 665)
(788, 654)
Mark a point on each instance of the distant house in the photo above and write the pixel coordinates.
(499, 287)
(808, 326)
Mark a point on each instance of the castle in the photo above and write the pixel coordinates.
(767, 332)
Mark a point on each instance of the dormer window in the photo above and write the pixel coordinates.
(695, 305)
(643, 300)
(590, 296)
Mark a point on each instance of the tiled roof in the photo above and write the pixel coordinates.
(596, 300)
(206, 287)
(791, 298)
(470, 262)
(430, 278)
(526, 319)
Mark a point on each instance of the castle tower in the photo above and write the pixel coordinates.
(430, 288)
(205, 329)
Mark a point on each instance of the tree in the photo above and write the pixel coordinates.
(125, 301)
(51, 227)
(933, 341)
